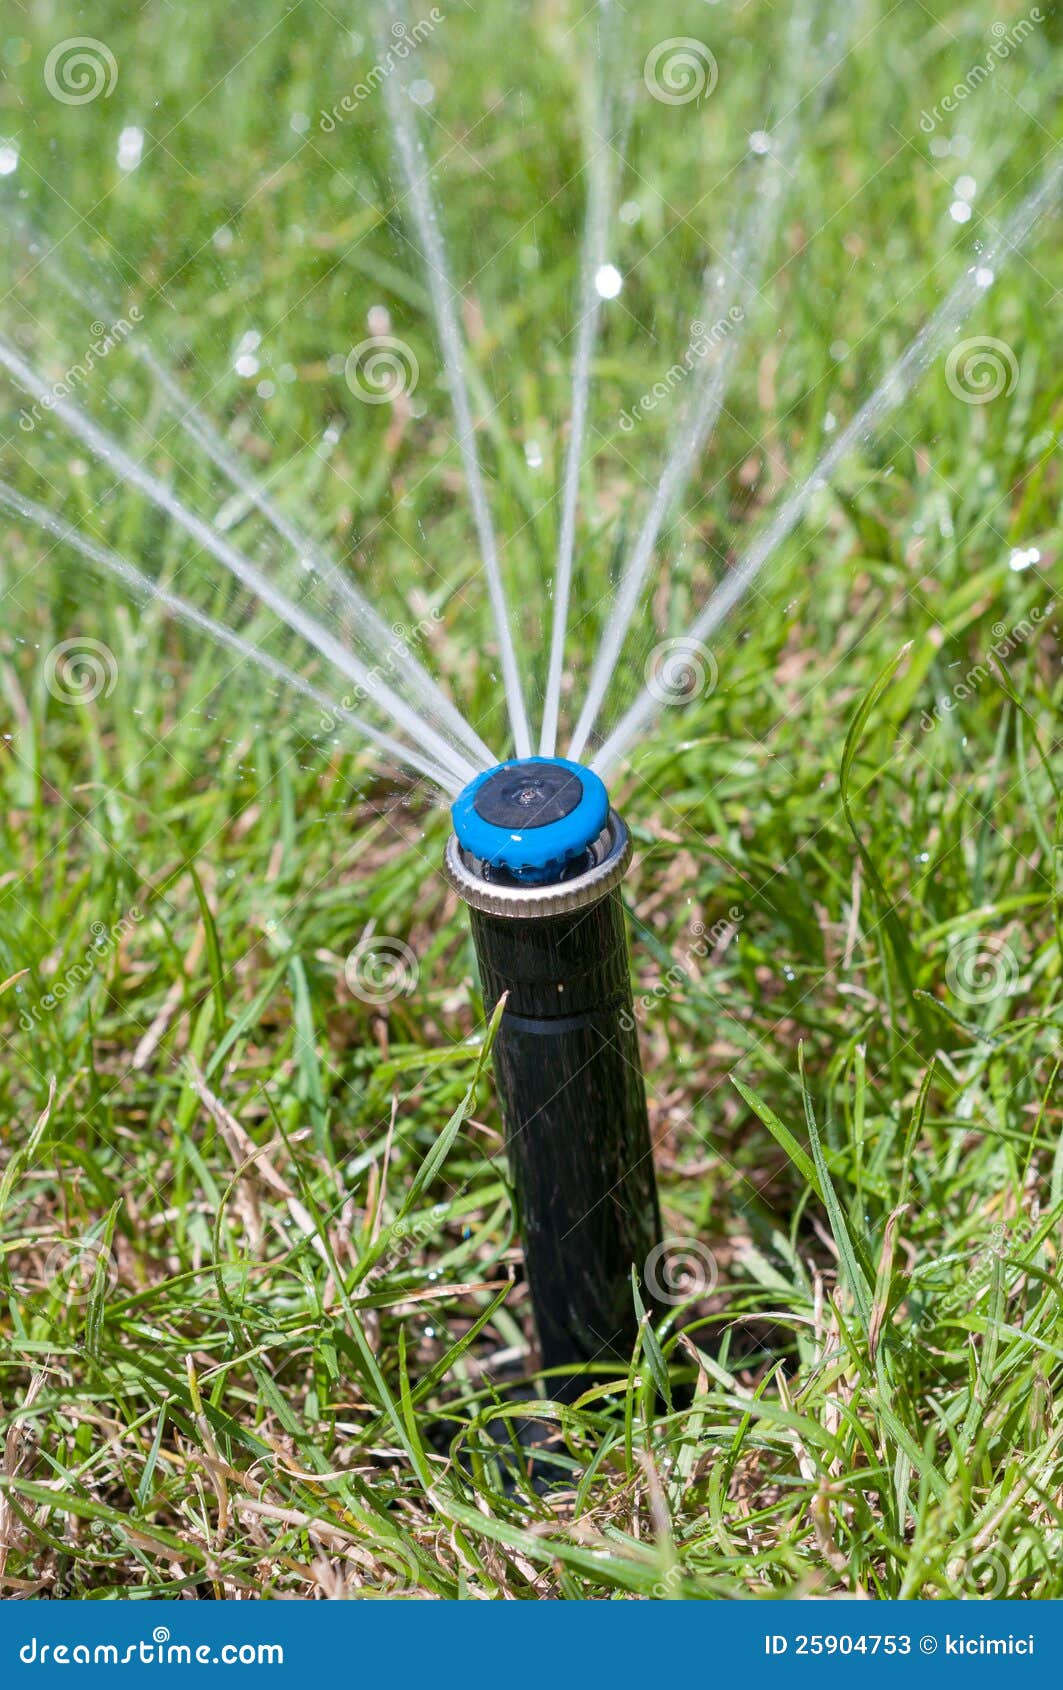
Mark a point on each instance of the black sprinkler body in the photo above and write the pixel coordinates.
(566, 1056)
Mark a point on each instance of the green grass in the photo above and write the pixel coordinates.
(249, 1313)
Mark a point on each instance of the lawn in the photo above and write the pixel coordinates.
(260, 1338)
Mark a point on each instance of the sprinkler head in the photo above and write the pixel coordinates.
(537, 855)
(533, 821)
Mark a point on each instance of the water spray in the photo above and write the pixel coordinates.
(538, 856)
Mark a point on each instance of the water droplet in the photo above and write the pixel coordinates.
(130, 147)
(533, 454)
(299, 122)
(8, 158)
(222, 238)
(960, 211)
(966, 187)
(245, 362)
(630, 212)
(983, 276)
(422, 92)
(608, 281)
(1021, 558)
(760, 142)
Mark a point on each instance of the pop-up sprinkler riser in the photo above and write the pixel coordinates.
(538, 856)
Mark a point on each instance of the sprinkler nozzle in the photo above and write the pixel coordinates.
(533, 820)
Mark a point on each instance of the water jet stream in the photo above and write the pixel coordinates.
(376, 635)
(603, 170)
(700, 420)
(696, 423)
(163, 496)
(415, 170)
(891, 390)
(144, 588)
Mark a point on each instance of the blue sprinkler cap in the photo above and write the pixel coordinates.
(532, 816)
